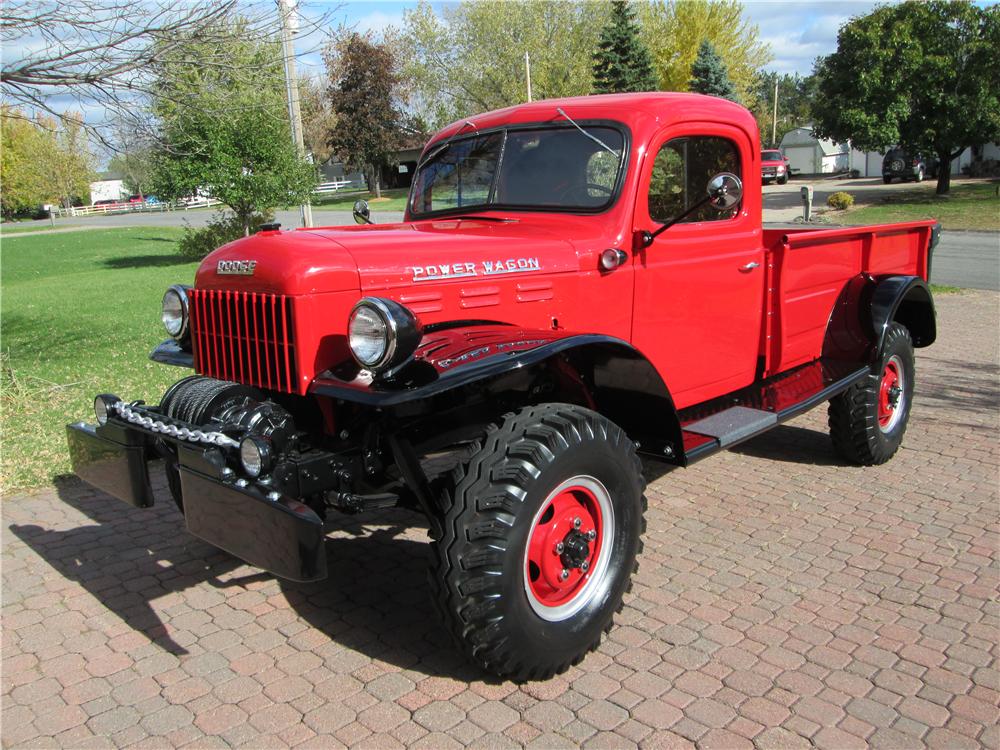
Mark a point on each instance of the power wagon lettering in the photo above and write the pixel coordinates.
(488, 268)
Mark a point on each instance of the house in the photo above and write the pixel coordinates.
(808, 155)
(110, 186)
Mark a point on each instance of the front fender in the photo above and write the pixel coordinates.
(906, 300)
(618, 379)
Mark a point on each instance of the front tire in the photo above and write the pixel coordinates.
(868, 420)
(541, 530)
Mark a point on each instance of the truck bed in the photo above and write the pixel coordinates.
(810, 273)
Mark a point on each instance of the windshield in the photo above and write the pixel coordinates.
(771, 156)
(555, 167)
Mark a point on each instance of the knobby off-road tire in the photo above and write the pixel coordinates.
(867, 421)
(529, 480)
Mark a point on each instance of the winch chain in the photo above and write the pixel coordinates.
(134, 416)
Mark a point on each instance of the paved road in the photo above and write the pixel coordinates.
(970, 260)
(783, 601)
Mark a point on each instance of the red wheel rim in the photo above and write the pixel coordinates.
(890, 394)
(566, 550)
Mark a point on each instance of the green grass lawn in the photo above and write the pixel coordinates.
(81, 312)
(392, 200)
(969, 206)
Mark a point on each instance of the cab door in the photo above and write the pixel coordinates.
(699, 287)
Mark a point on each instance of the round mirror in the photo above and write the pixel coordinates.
(725, 190)
(362, 214)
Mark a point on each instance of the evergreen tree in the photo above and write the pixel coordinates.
(709, 74)
(622, 62)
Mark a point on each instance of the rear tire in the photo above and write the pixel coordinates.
(868, 420)
(521, 582)
(920, 175)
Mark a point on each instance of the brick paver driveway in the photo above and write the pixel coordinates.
(782, 600)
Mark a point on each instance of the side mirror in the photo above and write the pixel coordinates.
(725, 190)
(362, 214)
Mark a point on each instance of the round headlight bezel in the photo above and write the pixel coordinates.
(402, 333)
(263, 454)
(179, 291)
(104, 404)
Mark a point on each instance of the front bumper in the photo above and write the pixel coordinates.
(275, 533)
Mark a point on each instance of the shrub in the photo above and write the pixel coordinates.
(197, 243)
(840, 201)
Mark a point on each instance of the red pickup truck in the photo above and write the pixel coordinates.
(575, 284)
(774, 166)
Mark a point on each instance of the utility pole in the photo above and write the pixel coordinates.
(774, 117)
(289, 24)
(527, 73)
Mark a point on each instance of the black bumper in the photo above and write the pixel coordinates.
(281, 536)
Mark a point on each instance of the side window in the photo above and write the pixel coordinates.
(681, 173)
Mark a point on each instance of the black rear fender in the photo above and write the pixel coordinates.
(906, 300)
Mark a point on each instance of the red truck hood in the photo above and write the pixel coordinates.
(384, 256)
(772, 163)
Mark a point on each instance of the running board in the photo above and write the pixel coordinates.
(724, 422)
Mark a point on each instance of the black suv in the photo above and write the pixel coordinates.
(898, 163)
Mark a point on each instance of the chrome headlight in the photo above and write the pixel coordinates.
(256, 455)
(382, 333)
(174, 312)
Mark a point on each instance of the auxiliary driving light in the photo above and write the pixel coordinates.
(256, 455)
(104, 404)
(612, 258)
(174, 312)
(382, 333)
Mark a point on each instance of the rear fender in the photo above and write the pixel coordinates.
(906, 300)
(611, 376)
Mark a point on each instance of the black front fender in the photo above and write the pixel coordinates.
(618, 380)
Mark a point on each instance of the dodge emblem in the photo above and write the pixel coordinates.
(236, 267)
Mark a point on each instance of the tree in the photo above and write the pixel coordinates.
(920, 75)
(101, 52)
(795, 95)
(318, 118)
(622, 62)
(42, 161)
(709, 75)
(675, 30)
(224, 129)
(471, 58)
(365, 88)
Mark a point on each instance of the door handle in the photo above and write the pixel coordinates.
(749, 266)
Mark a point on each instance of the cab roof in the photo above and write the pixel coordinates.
(642, 113)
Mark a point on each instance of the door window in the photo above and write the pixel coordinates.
(681, 173)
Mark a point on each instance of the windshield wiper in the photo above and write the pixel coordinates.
(594, 138)
(444, 146)
(476, 217)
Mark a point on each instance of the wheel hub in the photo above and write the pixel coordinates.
(575, 549)
(566, 549)
(890, 394)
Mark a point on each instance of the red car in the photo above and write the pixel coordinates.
(774, 166)
(575, 283)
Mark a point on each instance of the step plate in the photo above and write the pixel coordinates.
(733, 425)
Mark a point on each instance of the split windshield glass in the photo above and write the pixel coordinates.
(537, 168)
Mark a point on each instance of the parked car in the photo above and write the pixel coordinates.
(574, 283)
(106, 202)
(774, 166)
(898, 164)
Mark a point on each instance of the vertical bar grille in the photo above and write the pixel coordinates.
(246, 337)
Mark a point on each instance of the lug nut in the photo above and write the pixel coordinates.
(577, 523)
(564, 575)
(592, 534)
(585, 566)
(560, 547)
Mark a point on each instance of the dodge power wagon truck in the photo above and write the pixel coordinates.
(575, 283)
